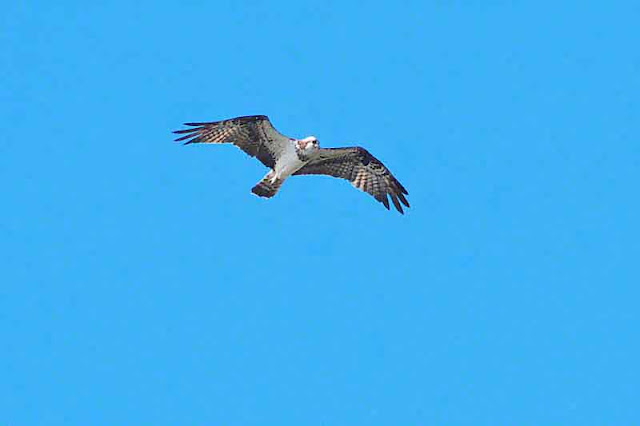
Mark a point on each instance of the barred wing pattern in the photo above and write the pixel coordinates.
(362, 169)
(254, 134)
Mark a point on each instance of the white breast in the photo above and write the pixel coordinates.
(288, 162)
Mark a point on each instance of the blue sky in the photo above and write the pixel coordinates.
(143, 284)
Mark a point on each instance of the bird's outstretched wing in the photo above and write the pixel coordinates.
(254, 134)
(362, 169)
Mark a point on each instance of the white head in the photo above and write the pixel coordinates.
(308, 144)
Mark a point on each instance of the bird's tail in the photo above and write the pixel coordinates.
(268, 186)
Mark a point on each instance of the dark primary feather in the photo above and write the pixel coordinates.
(362, 169)
(254, 134)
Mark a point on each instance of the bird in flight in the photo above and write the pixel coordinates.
(285, 156)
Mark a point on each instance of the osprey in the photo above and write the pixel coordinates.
(287, 156)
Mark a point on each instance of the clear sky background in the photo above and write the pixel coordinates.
(143, 284)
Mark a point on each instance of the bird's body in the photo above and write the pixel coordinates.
(290, 161)
(287, 157)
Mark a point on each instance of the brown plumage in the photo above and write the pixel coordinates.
(253, 134)
(362, 169)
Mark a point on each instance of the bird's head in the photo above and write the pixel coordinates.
(308, 144)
